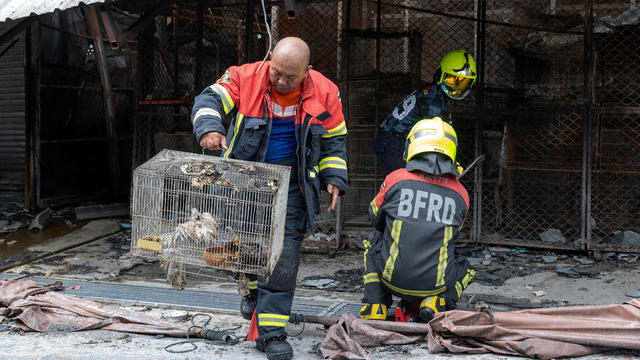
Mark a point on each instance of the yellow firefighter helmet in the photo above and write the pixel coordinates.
(431, 135)
(457, 74)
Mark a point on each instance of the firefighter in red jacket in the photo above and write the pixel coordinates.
(416, 217)
(283, 112)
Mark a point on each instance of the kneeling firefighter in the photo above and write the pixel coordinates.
(416, 217)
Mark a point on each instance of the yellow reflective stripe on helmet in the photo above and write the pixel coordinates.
(336, 131)
(393, 250)
(227, 103)
(205, 111)
(236, 129)
(332, 162)
(442, 259)
(253, 285)
(419, 293)
(370, 277)
(272, 320)
(374, 207)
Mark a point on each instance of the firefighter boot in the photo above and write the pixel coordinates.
(430, 306)
(374, 312)
(248, 305)
(276, 348)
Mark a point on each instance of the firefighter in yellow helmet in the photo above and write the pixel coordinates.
(453, 80)
(416, 217)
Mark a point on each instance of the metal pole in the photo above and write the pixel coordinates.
(339, 19)
(36, 148)
(477, 182)
(199, 33)
(377, 93)
(249, 31)
(29, 113)
(107, 95)
(347, 53)
(587, 122)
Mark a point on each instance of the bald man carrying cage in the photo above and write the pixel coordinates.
(282, 112)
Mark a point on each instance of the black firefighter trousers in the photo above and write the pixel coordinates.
(375, 292)
(275, 294)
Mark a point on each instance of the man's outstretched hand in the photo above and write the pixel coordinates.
(213, 141)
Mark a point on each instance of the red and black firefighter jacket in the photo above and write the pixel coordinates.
(419, 216)
(244, 94)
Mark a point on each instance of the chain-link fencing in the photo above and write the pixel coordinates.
(533, 73)
(615, 128)
(554, 110)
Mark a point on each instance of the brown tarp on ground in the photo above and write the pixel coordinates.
(347, 339)
(539, 333)
(39, 308)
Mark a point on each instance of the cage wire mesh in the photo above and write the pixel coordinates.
(208, 211)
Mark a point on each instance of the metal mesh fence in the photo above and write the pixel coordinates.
(539, 185)
(534, 106)
(381, 73)
(616, 126)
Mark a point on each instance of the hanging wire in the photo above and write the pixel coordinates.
(211, 335)
(266, 24)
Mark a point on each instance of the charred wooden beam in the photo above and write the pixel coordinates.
(107, 96)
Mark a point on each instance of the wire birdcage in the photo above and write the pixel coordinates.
(210, 212)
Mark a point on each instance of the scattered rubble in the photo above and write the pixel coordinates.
(634, 294)
(582, 260)
(41, 220)
(631, 238)
(320, 283)
(553, 236)
(175, 315)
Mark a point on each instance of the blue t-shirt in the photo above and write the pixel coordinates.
(282, 142)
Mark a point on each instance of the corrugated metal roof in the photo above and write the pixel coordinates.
(16, 9)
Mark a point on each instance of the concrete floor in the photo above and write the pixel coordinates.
(535, 283)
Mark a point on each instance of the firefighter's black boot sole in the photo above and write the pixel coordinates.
(275, 349)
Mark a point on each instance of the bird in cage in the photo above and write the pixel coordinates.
(271, 184)
(203, 227)
(205, 173)
(247, 169)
